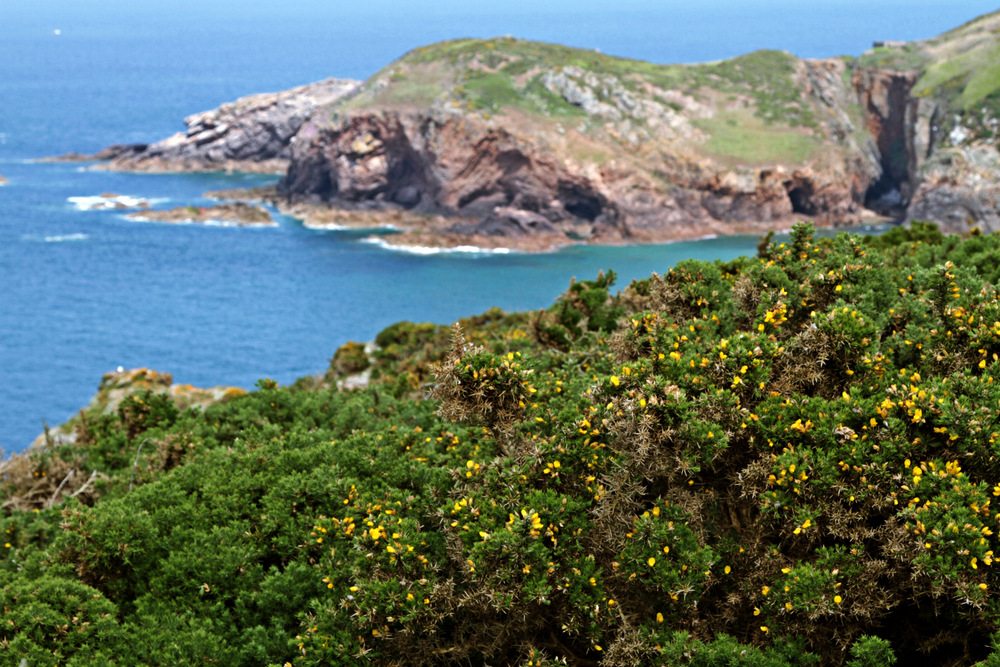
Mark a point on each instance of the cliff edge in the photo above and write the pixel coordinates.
(517, 140)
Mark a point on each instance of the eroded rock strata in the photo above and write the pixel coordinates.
(252, 134)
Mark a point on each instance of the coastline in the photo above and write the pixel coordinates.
(429, 234)
(425, 233)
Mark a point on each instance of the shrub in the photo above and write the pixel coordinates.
(350, 358)
(785, 460)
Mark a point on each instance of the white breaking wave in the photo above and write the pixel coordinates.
(55, 238)
(211, 222)
(333, 226)
(104, 203)
(60, 238)
(429, 250)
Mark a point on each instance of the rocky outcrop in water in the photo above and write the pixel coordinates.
(235, 214)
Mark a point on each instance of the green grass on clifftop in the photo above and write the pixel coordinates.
(960, 67)
(745, 139)
(598, 94)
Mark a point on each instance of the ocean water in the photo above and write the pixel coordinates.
(83, 291)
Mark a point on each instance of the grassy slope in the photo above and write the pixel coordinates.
(757, 113)
(960, 67)
(505, 75)
(966, 62)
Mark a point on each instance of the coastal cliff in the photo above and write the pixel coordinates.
(940, 107)
(534, 142)
(506, 142)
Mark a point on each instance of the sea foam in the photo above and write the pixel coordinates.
(429, 250)
(61, 238)
(211, 222)
(103, 203)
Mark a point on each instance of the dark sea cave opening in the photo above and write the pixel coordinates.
(885, 196)
(802, 202)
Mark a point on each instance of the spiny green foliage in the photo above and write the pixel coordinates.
(784, 460)
(350, 358)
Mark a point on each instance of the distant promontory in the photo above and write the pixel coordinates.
(506, 142)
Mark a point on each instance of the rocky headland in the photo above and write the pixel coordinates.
(229, 214)
(509, 143)
(252, 134)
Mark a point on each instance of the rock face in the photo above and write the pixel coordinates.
(469, 170)
(890, 114)
(961, 190)
(934, 111)
(251, 134)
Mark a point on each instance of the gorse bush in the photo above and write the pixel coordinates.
(790, 459)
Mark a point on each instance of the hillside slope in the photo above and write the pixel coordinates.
(953, 122)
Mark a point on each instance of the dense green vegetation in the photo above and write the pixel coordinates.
(790, 459)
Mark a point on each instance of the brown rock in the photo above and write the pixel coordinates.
(511, 186)
(514, 140)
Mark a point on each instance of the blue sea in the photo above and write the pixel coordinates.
(83, 292)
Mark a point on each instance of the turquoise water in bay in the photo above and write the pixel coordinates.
(83, 292)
